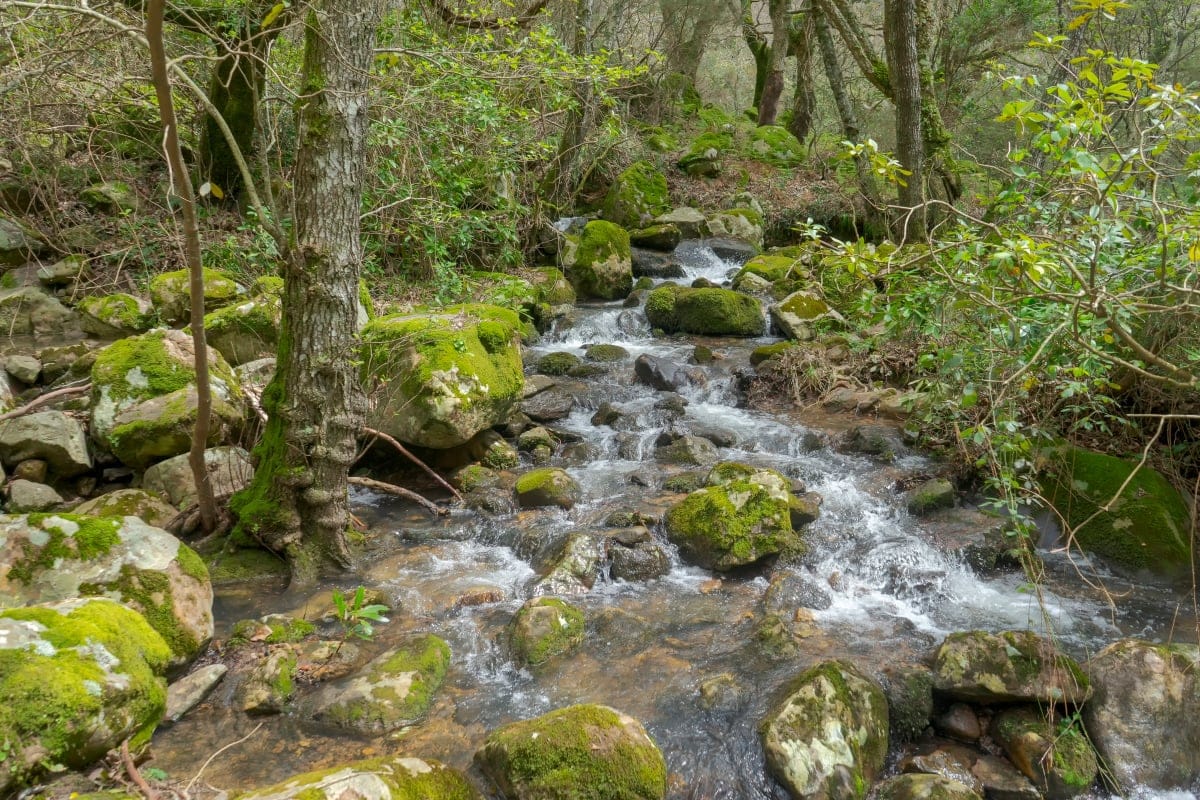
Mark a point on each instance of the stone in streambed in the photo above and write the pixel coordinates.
(547, 487)
(545, 628)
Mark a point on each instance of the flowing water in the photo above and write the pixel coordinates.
(893, 590)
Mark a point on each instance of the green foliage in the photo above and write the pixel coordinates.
(355, 615)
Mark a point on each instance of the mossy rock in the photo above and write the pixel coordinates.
(924, 787)
(129, 503)
(769, 267)
(18, 242)
(559, 363)
(115, 316)
(545, 628)
(386, 778)
(52, 557)
(550, 486)
(703, 156)
(1007, 667)
(443, 377)
(829, 736)
(393, 691)
(29, 310)
(606, 353)
(768, 351)
(740, 517)
(243, 565)
(663, 237)
(78, 678)
(637, 195)
(110, 197)
(1146, 527)
(162, 427)
(704, 312)
(776, 145)
(553, 288)
(1055, 756)
(741, 224)
(599, 262)
(171, 293)
(246, 331)
(797, 315)
(584, 752)
(933, 494)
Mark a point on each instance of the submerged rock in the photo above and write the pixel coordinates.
(1008, 667)
(585, 752)
(387, 778)
(829, 737)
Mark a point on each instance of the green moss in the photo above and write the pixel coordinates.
(578, 752)
(268, 284)
(776, 145)
(637, 194)
(171, 291)
(406, 779)
(660, 307)
(749, 214)
(257, 317)
(423, 660)
(552, 287)
(118, 310)
(606, 353)
(245, 564)
(719, 533)
(95, 537)
(191, 564)
(557, 363)
(157, 372)
(561, 631)
(760, 354)
(149, 593)
(768, 267)
(168, 430)
(718, 312)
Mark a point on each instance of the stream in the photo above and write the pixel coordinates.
(893, 588)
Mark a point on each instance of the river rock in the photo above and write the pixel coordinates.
(189, 691)
(704, 311)
(881, 441)
(545, 628)
(740, 517)
(549, 486)
(1002, 781)
(18, 243)
(1007, 667)
(960, 722)
(732, 250)
(386, 778)
(794, 316)
(610, 756)
(26, 496)
(80, 676)
(924, 787)
(949, 761)
(638, 561)
(48, 435)
(647, 264)
(270, 684)
(28, 310)
(171, 293)
(829, 737)
(658, 373)
(59, 557)
(24, 368)
(931, 495)
(1143, 717)
(229, 469)
(691, 223)
(664, 238)
(805, 508)
(549, 406)
(790, 590)
(129, 503)
(1057, 758)
(636, 195)
(246, 331)
(598, 261)
(688, 451)
(909, 690)
(575, 568)
(741, 224)
(393, 691)
(444, 376)
(144, 397)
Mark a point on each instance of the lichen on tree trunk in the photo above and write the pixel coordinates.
(297, 504)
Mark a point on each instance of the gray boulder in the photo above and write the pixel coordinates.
(26, 496)
(229, 469)
(51, 436)
(1007, 667)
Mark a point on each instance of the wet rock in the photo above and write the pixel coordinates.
(610, 754)
(229, 469)
(924, 787)
(386, 778)
(790, 590)
(949, 761)
(598, 261)
(1143, 717)
(1007, 667)
(930, 496)
(491, 450)
(960, 722)
(732, 250)
(658, 373)
(647, 264)
(688, 451)
(270, 684)
(606, 353)
(392, 691)
(544, 628)
(829, 737)
(556, 363)
(189, 691)
(1002, 781)
(638, 561)
(704, 311)
(684, 482)
(575, 569)
(739, 518)
(805, 508)
(606, 414)
(720, 693)
(664, 237)
(48, 435)
(60, 557)
(1058, 759)
(674, 404)
(26, 369)
(536, 438)
(881, 441)
(80, 676)
(721, 437)
(547, 487)
(27, 496)
(548, 406)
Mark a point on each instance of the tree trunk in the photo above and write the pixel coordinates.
(804, 102)
(772, 90)
(687, 24)
(234, 89)
(904, 72)
(297, 503)
(561, 180)
(845, 106)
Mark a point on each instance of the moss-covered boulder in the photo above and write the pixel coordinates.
(704, 154)
(829, 736)
(393, 691)
(51, 557)
(439, 378)
(598, 261)
(78, 677)
(557, 363)
(1007, 667)
(144, 397)
(110, 197)
(771, 267)
(552, 287)
(739, 224)
(637, 195)
(929, 496)
(270, 683)
(387, 778)
(544, 628)
(574, 568)
(795, 316)
(705, 312)
(30, 311)
(1055, 755)
(549, 486)
(245, 331)
(741, 516)
(663, 237)
(776, 145)
(129, 503)
(1145, 524)
(584, 752)
(924, 787)
(1142, 718)
(115, 316)
(171, 293)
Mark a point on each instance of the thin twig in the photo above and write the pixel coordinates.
(187, 790)
(134, 775)
(408, 454)
(68, 391)
(392, 488)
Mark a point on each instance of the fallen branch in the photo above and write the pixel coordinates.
(135, 776)
(187, 790)
(255, 400)
(391, 488)
(57, 394)
(404, 451)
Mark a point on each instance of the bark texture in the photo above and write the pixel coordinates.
(804, 101)
(904, 70)
(772, 90)
(845, 105)
(297, 503)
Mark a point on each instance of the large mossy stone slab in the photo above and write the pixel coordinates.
(704, 311)
(1007, 667)
(387, 778)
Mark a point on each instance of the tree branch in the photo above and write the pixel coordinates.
(521, 21)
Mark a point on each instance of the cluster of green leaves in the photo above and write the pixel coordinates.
(355, 614)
